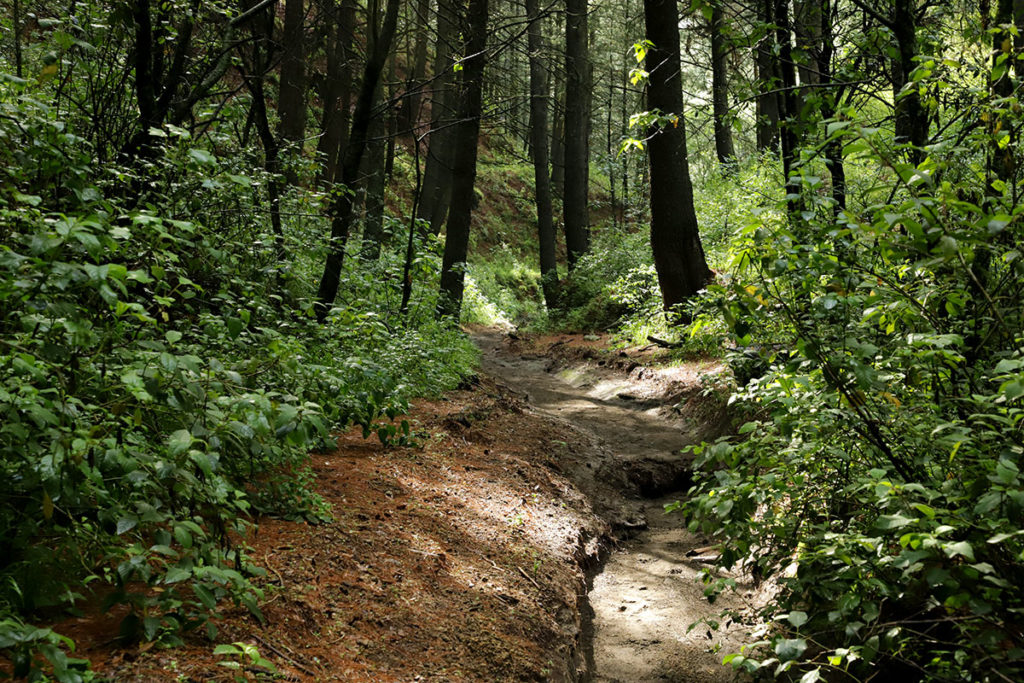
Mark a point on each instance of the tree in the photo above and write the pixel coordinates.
(291, 102)
(675, 240)
(465, 137)
(342, 207)
(437, 178)
(337, 90)
(539, 147)
(720, 87)
(575, 202)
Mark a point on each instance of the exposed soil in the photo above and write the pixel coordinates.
(646, 593)
(470, 556)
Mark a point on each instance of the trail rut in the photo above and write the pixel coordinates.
(645, 594)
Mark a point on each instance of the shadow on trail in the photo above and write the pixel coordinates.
(647, 593)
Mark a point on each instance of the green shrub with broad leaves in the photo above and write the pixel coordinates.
(162, 378)
(877, 482)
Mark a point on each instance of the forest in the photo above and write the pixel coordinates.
(233, 230)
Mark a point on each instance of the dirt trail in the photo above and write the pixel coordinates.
(644, 595)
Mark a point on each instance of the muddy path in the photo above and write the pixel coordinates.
(644, 594)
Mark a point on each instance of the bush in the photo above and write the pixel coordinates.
(877, 481)
(162, 379)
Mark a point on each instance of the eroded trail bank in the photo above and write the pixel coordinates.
(644, 595)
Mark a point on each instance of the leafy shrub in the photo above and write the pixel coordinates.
(877, 481)
(162, 379)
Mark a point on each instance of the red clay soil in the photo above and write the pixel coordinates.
(459, 559)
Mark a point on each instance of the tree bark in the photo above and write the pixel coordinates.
(1003, 164)
(792, 127)
(767, 102)
(675, 240)
(720, 89)
(911, 118)
(576, 215)
(337, 93)
(342, 207)
(291, 104)
(374, 176)
(437, 175)
(558, 134)
(539, 146)
(829, 106)
(464, 140)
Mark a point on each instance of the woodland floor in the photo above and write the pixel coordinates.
(522, 539)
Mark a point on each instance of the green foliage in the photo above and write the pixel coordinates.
(877, 479)
(162, 378)
(238, 656)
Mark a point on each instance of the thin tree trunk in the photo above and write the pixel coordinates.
(790, 134)
(829, 107)
(911, 117)
(291, 104)
(767, 102)
(465, 138)
(720, 89)
(374, 176)
(16, 20)
(539, 145)
(419, 68)
(337, 92)
(342, 208)
(575, 209)
(391, 115)
(437, 175)
(1002, 160)
(675, 240)
(558, 135)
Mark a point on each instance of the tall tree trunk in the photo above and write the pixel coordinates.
(414, 101)
(767, 102)
(465, 139)
(1002, 159)
(390, 113)
(437, 175)
(675, 240)
(792, 128)
(16, 21)
(263, 35)
(575, 209)
(373, 178)
(829, 106)
(558, 134)
(291, 103)
(539, 145)
(337, 92)
(911, 117)
(342, 208)
(720, 88)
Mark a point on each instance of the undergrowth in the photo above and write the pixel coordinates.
(163, 379)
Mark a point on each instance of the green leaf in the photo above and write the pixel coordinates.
(959, 548)
(812, 676)
(790, 649)
(888, 522)
(177, 574)
(179, 442)
(797, 618)
(205, 596)
(201, 156)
